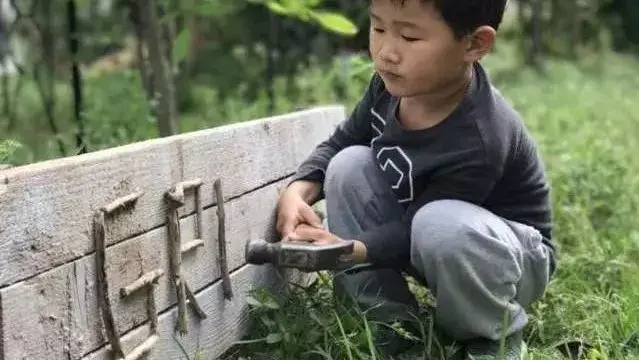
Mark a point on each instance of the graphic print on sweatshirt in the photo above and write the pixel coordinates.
(395, 164)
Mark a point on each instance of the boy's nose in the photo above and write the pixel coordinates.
(388, 55)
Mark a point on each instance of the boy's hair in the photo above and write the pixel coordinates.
(464, 16)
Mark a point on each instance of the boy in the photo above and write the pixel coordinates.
(433, 174)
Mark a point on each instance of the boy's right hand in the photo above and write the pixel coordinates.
(293, 208)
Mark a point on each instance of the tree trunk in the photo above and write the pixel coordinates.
(270, 62)
(162, 77)
(525, 32)
(536, 33)
(532, 38)
(575, 22)
(45, 75)
(76, 76)
(140, 52)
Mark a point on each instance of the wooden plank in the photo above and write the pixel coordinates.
(55, 315)
(46, 208)
(226, 323)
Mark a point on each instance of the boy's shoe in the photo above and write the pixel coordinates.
(514, 348)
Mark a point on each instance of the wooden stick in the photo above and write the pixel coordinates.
(141, 282)
(193, 302)
(221, 240)
(102, 284)
(176, 265)
(151, 307)
(143, 348)
(190, 184)
(122, 203)
(199, 209)
(177, 192)
(192, 245)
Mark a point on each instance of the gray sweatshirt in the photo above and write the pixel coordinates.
(481, 153)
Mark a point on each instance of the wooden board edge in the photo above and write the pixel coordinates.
(25, 253)
(9, 171)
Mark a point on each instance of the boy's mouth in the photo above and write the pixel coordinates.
(389, 75)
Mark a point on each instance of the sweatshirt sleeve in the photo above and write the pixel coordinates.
(354, 130)
(388, 245)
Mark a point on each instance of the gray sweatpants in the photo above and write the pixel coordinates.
(476, 264)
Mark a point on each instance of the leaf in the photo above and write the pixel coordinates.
(313, 3)
(273, 338)
(295, 6)
(181, 45)
(267, 322)
(278, 8)
(335, 22)
(316, 318)
(253, 301)
(7, 148)
(271, 304)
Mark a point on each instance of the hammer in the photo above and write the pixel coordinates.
(302, 255)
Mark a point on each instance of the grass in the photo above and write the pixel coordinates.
(585, 121)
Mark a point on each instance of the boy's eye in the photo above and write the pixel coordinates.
(409, 39)
(379, 30)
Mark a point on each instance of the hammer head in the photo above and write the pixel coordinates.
(302, 255)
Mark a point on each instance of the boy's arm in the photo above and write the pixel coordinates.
(389, 244)
(354, 130)
(308, 190)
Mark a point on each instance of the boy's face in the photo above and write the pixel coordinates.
(414, 50)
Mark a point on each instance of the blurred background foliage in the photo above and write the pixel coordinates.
(225, 61)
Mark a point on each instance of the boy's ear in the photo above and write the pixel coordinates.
(480, 43)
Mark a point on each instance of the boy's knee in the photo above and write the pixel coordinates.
(453, 231)
(346, 168)
(438, 230)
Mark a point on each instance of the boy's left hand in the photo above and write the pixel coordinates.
(317, 235)
(320, 236)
